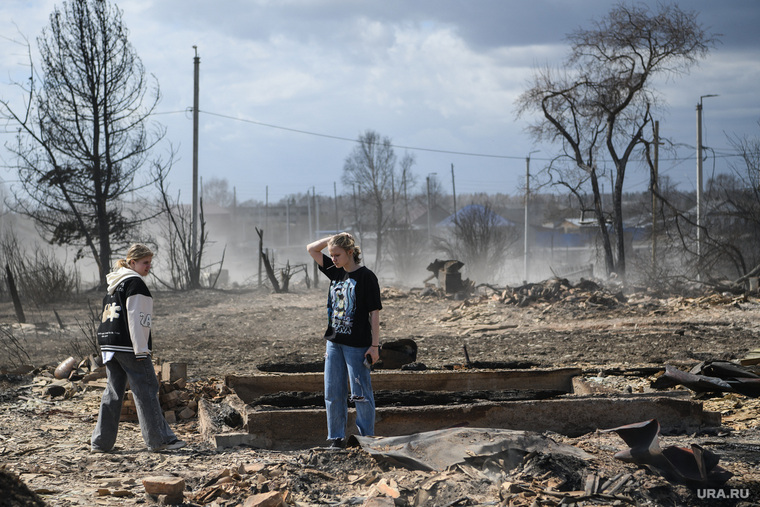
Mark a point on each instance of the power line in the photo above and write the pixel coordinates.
(723, 154)
(340, 138)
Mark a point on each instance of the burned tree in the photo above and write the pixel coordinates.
(730, 228)
(732, 232)
(184, 264)
(601, 101)
(407, 246)
(84, 133)
(371, 169)
(481, 239)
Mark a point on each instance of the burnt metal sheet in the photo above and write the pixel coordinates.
(694, 466)
(724, 369)
(746, 385)
(438, 450)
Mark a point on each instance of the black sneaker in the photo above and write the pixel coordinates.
(336, 443)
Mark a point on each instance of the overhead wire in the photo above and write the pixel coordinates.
(341, 138)
(723, 153)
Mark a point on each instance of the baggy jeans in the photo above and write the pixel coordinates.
(344, 367)
(143, 383)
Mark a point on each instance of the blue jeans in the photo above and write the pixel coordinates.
(143, 383)
(344, 367)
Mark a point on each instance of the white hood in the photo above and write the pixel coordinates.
(114, 278)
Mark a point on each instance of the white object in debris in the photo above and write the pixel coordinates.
(64, 369)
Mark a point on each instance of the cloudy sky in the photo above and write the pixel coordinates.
(287, 86)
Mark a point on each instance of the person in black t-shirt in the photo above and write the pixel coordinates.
(353, 334)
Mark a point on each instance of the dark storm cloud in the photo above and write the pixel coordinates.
(484, 23)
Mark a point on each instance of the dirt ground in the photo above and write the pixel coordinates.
(618, 337)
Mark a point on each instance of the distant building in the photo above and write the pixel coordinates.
(419, 216)
(498, 220)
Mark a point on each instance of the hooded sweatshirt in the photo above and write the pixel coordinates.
(127, 313)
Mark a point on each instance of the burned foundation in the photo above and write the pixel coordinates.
(285, 410)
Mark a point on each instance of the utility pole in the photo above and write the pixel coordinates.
(308, 205)
(527, 201)
(195, 277)
(311, 238)
(357, 216)
(454, 193)
(394, 194)
(407, 220)
(700, 204)
(429, 218)
(655, 187)
(427, 179)
(335, 197)
(316, 211)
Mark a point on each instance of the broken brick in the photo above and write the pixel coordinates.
(164, 485)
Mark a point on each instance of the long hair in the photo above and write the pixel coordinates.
(347, 242)
(136, 252)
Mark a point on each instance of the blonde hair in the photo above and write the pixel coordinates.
(136, 252)
(346, 241)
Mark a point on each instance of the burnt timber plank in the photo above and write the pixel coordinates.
(572, 416)
(248, 388)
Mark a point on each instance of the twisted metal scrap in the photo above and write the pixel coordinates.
(712, 377)
(693, 467)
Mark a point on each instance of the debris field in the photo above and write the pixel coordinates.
(625, 344)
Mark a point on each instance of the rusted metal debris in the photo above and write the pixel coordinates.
(712, 377)
(693, 466)
(441, 449)
(448, 275)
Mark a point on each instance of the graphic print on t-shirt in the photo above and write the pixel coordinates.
(343, 304)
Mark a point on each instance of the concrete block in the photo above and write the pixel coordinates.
(169, 398)
(226, 440)
(172, 372)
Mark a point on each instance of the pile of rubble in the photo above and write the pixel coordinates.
(50, 455)
(586, 294)
(178, 400)
(319, 476)
(244, 476)
(557, 293)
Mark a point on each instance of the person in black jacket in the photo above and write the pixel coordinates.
(353, 334)
(126, 344)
